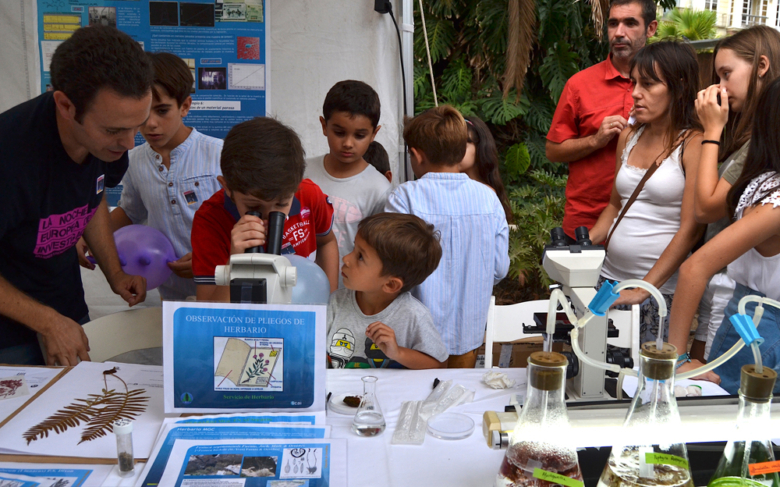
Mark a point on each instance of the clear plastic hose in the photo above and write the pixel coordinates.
(662, 311)
(575, 346)
(759, 312)
(557, 296)
(757, 358)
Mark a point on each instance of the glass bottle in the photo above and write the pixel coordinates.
(653, 412)
(369, 420)
(539, 454)
(734, 468)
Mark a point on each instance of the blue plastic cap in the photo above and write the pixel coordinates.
(746, 329)
(603, 299)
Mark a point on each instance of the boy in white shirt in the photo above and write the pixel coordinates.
(356, 189)
(172, 173)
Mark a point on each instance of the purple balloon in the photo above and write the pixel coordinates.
(145, 251)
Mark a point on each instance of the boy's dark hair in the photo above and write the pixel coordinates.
(171, 74)
(99, 57)
(407, 246)
(648, 8)
(353, 97)
(264, 158)
(440, 133)
(376, 155)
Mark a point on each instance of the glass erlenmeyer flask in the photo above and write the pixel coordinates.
(747, 454)
(653, 407)
(539, 454)
(369, 420)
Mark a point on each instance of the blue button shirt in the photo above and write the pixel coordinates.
(475, 252)
(167, 199)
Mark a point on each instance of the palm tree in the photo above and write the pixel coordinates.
(686, 24)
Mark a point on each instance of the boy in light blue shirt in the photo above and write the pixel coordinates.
(172, 173)
(473, 228)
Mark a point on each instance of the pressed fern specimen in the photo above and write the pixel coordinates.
(98, 412)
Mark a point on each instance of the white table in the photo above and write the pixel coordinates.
(376, 462)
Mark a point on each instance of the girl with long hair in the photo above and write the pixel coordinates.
(744, 65)
(481, 161)
(750, 247)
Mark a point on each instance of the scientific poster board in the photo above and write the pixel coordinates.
(224, 44)
(222, 357)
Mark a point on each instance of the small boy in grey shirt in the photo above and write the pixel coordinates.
(374, 321)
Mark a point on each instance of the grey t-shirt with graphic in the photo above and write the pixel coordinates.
(349, 347)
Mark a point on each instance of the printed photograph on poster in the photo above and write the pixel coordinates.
(207, 465)
(242, 363)
(234, 12)
(248, 47)
(196, 14)
(105, 16)
(254, 10)
(246, 76)
(164, 14)
(212, 78)
(191, 64)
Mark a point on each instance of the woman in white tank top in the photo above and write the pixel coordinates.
(658, 230)
(750, 247)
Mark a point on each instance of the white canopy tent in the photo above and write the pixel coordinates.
(313, 45)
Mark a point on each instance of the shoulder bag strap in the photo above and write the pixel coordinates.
(653, 167)
(631, 200)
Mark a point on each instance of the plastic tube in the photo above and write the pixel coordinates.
(575, 346)
(757, 358)
(557, 296)
(659, 298)
(740, 343)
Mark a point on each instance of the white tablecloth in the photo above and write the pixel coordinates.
(376, 462)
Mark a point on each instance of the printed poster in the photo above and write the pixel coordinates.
(243, 357)
(223, 43)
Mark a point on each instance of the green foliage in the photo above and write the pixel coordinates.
(688, 24)
(468, 40)
(558, 66)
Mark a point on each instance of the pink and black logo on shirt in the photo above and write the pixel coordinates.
(58, 233)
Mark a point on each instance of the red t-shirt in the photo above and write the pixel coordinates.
(311, 215)
(587, 98)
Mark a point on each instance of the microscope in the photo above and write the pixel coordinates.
(577, 267)
(260, 276)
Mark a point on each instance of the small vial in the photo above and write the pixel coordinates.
(123, 429)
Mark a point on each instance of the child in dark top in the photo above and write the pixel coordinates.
(262, 170)
(376, 155)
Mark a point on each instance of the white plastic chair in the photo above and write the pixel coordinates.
(134, 329)
(505, 323)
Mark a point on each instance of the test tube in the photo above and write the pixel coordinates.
(123, 429)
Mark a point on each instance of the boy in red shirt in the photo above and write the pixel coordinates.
(262, 170)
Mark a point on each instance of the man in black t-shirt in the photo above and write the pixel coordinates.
(55, 152)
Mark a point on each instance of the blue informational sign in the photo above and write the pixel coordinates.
(232, 358)
(154, 472)
(224, 44)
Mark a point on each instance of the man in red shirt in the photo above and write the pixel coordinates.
(593, 109)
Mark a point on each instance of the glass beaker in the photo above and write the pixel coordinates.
(539, 454)
(369, 420)
(653, 407)
(745, 460)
